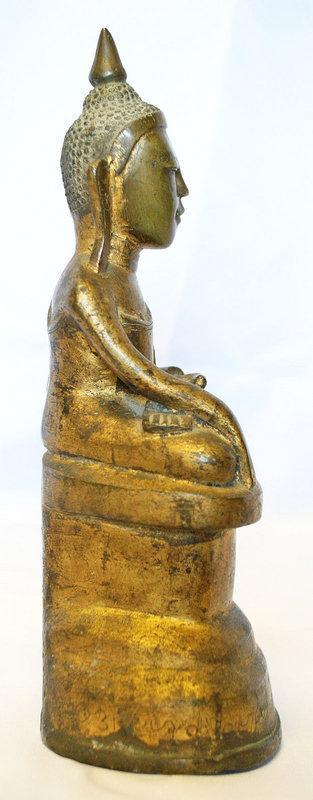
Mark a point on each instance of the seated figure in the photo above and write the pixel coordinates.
(148, 664)
(107, 400)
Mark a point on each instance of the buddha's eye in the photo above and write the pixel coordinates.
(167, 167)
(171, 168)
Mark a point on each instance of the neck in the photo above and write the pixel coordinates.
(123, 251)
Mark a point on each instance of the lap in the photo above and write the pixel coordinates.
(198, 453)
(147, 437)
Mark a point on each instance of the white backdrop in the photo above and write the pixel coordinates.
(231, 298)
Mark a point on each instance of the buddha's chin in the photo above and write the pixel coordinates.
(163, 238)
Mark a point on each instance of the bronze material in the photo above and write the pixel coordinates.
(107, 65)
(148, 663)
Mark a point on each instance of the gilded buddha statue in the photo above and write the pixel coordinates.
(148, 663)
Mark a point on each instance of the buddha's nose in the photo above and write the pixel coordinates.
(182, 189)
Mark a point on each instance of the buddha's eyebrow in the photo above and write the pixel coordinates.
(169, 161)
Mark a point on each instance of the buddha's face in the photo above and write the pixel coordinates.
(152, 188)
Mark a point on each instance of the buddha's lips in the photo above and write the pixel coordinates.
(179, 211)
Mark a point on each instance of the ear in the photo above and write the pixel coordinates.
(98, 176)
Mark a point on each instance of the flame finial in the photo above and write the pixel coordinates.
(107, 65)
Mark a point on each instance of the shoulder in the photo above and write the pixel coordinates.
(79, 287)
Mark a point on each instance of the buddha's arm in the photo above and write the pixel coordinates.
(97, 316)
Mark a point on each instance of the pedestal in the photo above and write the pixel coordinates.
(148, 664)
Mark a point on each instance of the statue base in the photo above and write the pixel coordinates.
(123, 753)
(149, 666)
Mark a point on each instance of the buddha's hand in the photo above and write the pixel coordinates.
(196, 378)
(192, 377)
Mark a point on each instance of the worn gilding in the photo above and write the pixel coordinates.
(148, 663)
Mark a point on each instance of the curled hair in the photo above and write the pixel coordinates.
(107, 110)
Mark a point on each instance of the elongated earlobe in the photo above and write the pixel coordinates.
(100, 198)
